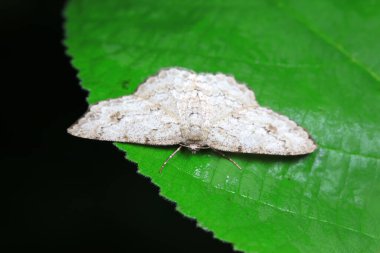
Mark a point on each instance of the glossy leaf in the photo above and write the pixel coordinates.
(314, 61)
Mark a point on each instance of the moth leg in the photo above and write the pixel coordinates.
(226, 157)
(170, 157)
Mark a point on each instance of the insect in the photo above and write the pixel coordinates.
(197, 111)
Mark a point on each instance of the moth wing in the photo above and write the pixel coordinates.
(259, 130)
(128, 119)
(173, 88)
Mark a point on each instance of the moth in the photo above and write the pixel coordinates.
(197, 111)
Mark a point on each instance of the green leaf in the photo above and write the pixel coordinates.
(314, 61)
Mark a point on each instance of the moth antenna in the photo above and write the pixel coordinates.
(226, 157)
(170, 157)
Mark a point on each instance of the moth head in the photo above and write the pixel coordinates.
(194, 147)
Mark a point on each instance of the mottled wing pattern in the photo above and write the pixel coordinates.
(128, 119)
(179, 106)
(167, 89)
(259, 130)
(220, 95)
(183, 92)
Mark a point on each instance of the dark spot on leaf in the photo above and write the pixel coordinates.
(125, 84)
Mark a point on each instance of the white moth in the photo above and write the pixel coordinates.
(197, 111)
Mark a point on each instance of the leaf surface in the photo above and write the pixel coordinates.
(314, 61)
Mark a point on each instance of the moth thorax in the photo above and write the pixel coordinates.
(193, 133)
(194, 127)
(194, 147)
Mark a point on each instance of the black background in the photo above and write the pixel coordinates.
(61, 193)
